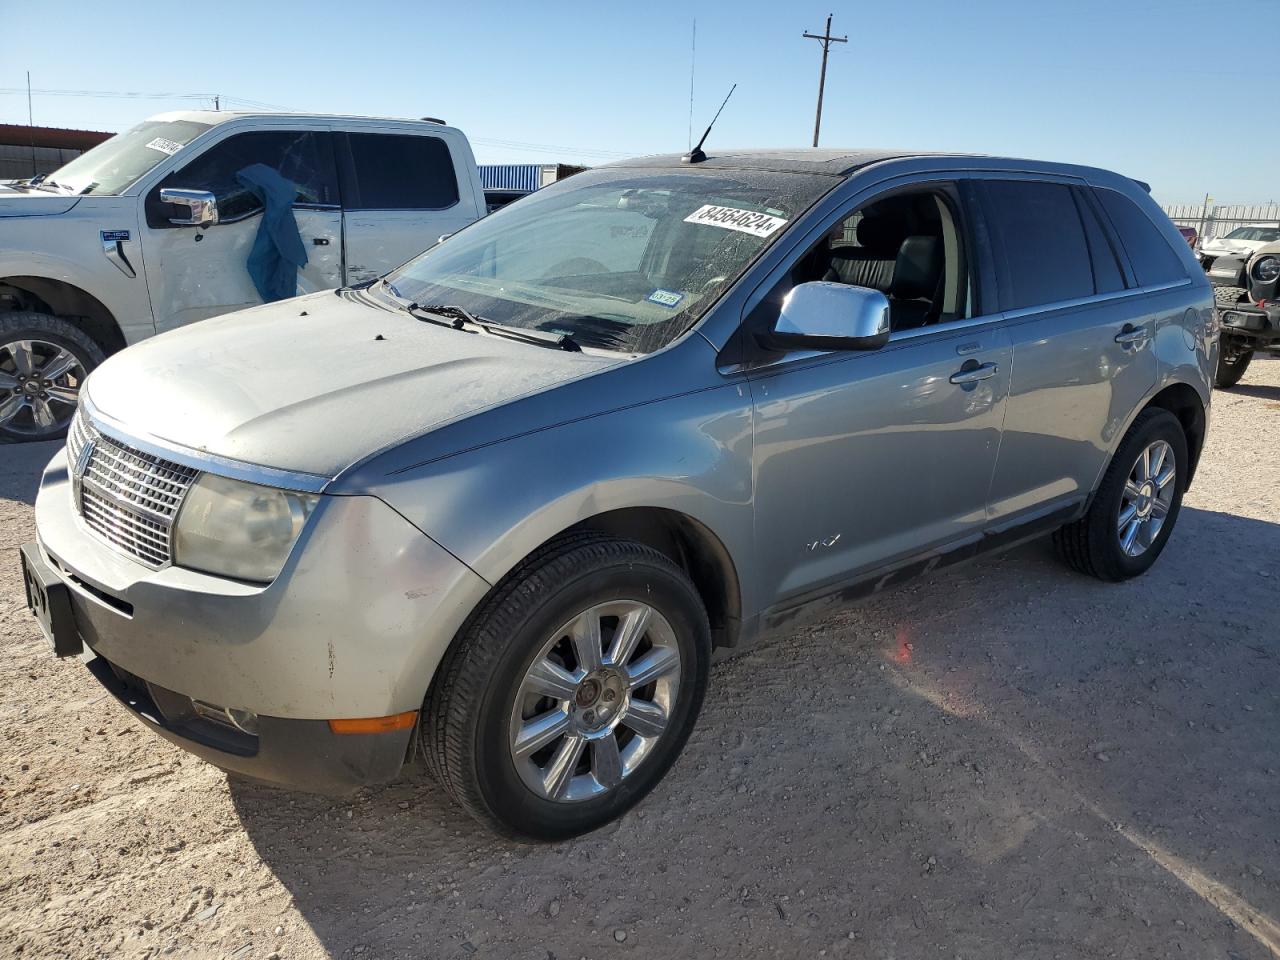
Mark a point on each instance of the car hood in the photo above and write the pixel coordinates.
(1230, 246)
(317, 383)
(33, 203)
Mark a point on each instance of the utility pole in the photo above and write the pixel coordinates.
(31, 125)
(827, 39)
(217, 102)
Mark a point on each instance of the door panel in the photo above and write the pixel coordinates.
(865, 458)
(1074, 390)
(193, 279)
(378, 241)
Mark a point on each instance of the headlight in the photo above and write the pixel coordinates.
(1266, 269)
(237, 529)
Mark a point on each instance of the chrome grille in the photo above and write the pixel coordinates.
(127, 497)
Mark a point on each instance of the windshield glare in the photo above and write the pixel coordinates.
(111, 167)
(622, 259)
(1264, 234)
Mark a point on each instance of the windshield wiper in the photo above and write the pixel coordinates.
(463, 317)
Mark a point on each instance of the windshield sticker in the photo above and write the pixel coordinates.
(731, 218)
(665, 298)
(167, 147)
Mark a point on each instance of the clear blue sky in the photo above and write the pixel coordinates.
(1141, 86)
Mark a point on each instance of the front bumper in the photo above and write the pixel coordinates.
(354, 626)
(1260, 325)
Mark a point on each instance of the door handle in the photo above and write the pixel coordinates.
(320, 241)
(1132, 335)
(974, 374)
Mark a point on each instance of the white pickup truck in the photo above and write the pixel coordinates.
(152, 230)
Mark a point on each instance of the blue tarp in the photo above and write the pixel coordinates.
(278, 253)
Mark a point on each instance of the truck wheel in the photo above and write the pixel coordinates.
(1233, 361)
(1135, 506)
(43, 362)
(571, 690)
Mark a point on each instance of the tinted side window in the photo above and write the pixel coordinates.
(1153, 259)
(1045, 253)
(1107, 276)
(401, 173)
(302, 157)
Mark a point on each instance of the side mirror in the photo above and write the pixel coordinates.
(830, 316)
(202, 203)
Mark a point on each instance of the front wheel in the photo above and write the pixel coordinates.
(571, 691)
(1136, 505)
(1233, 360)
(43, 363)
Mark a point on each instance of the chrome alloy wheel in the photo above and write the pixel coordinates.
(1148, 495)
(595, 701)
(39, 385)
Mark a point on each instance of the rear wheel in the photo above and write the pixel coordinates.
(43, 362)
(1136, 505)
(572, 690)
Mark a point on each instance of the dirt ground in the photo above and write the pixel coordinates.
(1009, 761)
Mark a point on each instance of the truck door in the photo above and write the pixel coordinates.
(197, 273)
(400, 193)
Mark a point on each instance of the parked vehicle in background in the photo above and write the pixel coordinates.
(1190, 235)
(151, 230)
(656, 409)
(1249, 315)
(1224, 258)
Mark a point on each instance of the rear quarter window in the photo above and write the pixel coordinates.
(1153, 260)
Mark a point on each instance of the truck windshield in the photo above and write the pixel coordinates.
(617, 259)
(111, 167)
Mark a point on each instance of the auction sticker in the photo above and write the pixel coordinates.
(168, 147)
(731, 218)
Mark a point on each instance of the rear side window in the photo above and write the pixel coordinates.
(1046, 256)
(393, 172)
(1153, 259)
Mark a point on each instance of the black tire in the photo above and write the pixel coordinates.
(48, 330)
(1233, 361)
(1091, 544)
(467, 714)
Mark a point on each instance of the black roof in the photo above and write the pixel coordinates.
(832, 162)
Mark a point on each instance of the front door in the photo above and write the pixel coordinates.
(198, 273)
(867, 460)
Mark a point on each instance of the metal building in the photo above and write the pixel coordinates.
(26, 151)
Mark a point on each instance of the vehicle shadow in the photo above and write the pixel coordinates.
(1007, 761)
(20, 467)
(1262, 391)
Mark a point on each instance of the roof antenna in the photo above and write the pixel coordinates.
(696, 155)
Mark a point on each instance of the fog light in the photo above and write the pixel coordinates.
(246, 721)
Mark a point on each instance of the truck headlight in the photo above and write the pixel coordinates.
(1266, 269)
(237, 529)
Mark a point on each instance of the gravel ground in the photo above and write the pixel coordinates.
(1007, 761)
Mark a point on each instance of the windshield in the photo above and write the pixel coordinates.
(616, 259)
(111, 167)
(1264, 234)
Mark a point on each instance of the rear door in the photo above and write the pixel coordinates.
(401, 192)
(1082, 344)
(193, 273)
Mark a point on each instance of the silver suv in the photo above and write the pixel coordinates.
(502, 505)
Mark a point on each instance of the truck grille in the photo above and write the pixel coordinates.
(127, 497)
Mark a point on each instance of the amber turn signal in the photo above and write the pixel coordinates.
(400, 721)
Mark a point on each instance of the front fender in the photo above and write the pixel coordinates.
(493, 506)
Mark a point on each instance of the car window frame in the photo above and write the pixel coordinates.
(157, 218)
(739, 352)
(349, 184)
(1118, 238)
